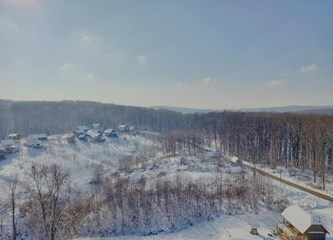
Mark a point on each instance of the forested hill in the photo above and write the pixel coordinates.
(290, 139)
(26, 117)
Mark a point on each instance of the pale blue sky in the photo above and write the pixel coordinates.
(189, 53)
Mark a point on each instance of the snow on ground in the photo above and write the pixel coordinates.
(233, 227)
(303, 178)
(81, 158)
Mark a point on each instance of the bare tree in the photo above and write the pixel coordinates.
(49, 185)
(11, 185)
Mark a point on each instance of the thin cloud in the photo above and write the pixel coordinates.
(142, 59)
(91, 76)
(67, 67)
(309, 68)
(208, 81)
(275, 83)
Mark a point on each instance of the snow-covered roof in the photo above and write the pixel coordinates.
(94, 133)
(81, 136)
(13, 135)
(7, 142)
(234, 159)
(298, 217)
(122, 126)
(37, 136)
(109, 130)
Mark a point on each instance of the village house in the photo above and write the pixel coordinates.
(14, 136)
(299, 224)
(95, 136)
(32, 142)
(9, 145)
(38, 137)
(110, 133)
(123, 128)
(236, 161)
(80, 130)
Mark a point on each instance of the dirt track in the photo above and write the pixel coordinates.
(305, 189)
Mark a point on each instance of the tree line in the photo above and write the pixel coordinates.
(291, 140)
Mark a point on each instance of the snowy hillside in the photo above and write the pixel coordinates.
(138, 158)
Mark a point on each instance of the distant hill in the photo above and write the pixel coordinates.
(186, 110)
(322, 110)
(325, 110)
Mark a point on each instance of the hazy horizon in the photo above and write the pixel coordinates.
(191, 54)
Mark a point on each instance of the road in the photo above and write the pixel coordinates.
(290, 183)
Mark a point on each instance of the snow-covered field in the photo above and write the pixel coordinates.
(148, 162)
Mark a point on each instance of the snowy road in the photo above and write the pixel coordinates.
(287, 182)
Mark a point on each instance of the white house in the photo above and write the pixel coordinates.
(302, 224)
(38, 137)
(110, 132)
(123, 128)
(95, 136)
(81, 130)
(14, 136)
(236, 161)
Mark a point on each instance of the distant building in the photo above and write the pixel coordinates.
(300, 224)
(14, 136)
(110, 133)
(38, 137)
(9, 145)
(80, 130)
(236, 161)
(32, 142)
(82, 137)
(123, 128)
(95, 136)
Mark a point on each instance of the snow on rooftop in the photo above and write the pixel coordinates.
(109, 130)
(298, 217)
(7, 142)
(37, 136)
(234, 159)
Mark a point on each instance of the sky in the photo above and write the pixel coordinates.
(215, 54)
